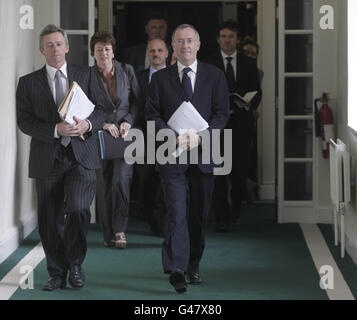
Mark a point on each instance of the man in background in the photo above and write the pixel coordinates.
(156, 27)
(150, 191)
(242, 76)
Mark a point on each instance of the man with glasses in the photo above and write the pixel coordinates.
(62, 164)
(187, 187)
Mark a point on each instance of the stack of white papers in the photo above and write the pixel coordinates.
(186, 118)
(79, 105)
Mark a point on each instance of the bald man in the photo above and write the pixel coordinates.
(150, 194)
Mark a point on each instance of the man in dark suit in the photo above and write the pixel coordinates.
(242, 76)
(187, 187)
(61, 163)
(155, 27)
(150, 190)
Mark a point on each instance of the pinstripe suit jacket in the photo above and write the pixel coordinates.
(37, 117)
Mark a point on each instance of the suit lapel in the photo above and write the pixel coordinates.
(220, 62)
(199, 84)
(71, 73)
(103, 90)
(120, 83)
(45, 86)
(175, 80)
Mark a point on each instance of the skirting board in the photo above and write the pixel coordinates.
(267, 192)
(350, 247)
(13, 237)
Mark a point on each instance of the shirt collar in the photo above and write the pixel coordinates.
(51, 71)
(153, 70)
(234, 55)
(193, 66)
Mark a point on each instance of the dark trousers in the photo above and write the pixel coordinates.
(64, 198)
(188, 197)
(241, 164)
(151, 196)
(113, 196)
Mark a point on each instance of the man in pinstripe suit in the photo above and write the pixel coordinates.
(60, 162)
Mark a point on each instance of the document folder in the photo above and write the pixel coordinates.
(76, 103)
(114, 148)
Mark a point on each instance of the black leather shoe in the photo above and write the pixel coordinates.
(193, 278)
(178, 280)
(76, 277)
(55, 283)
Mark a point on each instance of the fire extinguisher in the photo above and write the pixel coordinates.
(324, 124)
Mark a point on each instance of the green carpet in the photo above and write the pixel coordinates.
(346, 265)
(258, 259)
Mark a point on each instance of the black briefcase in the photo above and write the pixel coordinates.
(114, 148)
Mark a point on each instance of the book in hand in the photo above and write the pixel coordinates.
(75, 103)
(246, 99)
(114, 148)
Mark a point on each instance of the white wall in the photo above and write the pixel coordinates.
(266, 122)
(342, 131)
(19, 55)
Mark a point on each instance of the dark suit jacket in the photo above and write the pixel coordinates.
(210, 98)
(247, 78)
(37, 117)
(126, 106)
(136, 56)
(143, 80)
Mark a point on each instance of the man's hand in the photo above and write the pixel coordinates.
(76, 129)
(113, 129)
(124, 129)
(188, 140)
(82, 125)
(241, 105)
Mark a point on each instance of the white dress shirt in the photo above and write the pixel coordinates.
(51, 73)
(152, 71)
(233, 62)
(192, 74)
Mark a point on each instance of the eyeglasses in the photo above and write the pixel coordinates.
(189, 41)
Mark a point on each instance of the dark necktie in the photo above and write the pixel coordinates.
(60, 94)
(230, 75)
(186, 83)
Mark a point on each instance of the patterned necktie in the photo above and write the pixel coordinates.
(60, 94)
(186, 83)
(230, 75)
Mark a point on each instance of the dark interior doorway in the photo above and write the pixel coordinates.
(130, 18)
(129, 29)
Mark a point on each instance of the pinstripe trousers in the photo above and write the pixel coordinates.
(64, 198)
